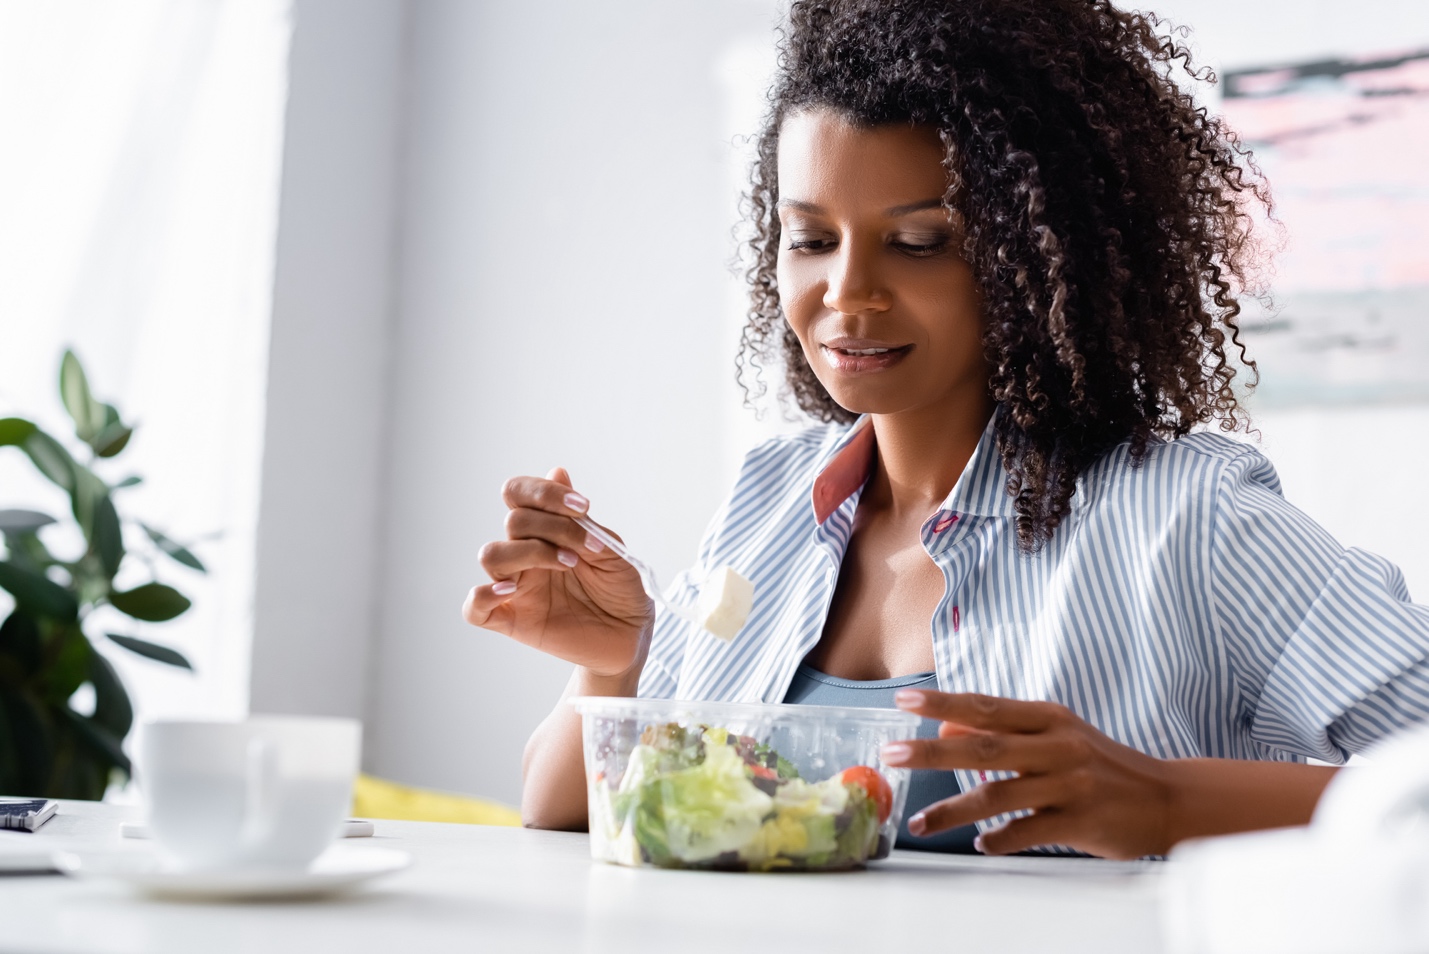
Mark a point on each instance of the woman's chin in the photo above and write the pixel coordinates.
(892, 403)
(869, 401)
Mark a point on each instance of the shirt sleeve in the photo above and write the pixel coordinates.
(1327, 652)
(1397, 703)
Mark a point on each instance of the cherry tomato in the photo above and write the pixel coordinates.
(874, 784)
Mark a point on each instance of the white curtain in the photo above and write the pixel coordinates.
(140, 148)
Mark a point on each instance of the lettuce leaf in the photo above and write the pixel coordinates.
(710, 808)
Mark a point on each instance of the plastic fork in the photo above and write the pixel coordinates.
(647, 575)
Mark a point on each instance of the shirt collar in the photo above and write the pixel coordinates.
(981, 490)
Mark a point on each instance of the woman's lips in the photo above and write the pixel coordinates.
(857, 357)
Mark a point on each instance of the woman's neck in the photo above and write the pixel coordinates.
(920, 456)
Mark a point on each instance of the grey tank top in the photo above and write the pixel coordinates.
(813, 688)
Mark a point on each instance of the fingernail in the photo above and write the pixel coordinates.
(977, 845)
(896, 753)
(577, 503)
(593, 544)
(909, 698)
(918, 824)
(504, 588)
(567, 557)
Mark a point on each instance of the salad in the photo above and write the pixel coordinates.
(703, 797)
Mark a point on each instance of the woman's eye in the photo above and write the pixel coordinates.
(809, 243)
(921, 245)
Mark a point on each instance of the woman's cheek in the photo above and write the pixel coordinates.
(796, 297)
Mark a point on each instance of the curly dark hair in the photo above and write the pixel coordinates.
(1107, 217)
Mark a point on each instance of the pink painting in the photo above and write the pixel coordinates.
(1345, 145)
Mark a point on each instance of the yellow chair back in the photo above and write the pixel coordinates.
(379, 798)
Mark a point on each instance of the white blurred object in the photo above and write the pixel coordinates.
(1356, 879)
(21, 853)
(352, 828)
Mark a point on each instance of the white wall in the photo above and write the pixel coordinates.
(318, 579)
(562, 292)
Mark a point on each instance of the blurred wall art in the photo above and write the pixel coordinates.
(1345, 146)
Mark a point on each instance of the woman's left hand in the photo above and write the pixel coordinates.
(1084, 790)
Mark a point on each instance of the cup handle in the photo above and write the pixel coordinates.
(260, 776)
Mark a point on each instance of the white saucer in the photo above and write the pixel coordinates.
(337, 869)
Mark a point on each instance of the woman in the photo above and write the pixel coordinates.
(999, 250)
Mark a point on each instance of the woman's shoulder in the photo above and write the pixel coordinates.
(770, 502)
(1208, 449)
(797, 451)
(777, 475)
(1194, 463)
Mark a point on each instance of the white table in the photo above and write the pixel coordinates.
(475, 888)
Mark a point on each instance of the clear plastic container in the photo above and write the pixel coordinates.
(741, 787)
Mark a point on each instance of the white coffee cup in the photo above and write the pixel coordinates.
(268, 792)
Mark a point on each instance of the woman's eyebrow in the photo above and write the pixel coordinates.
(893, 212)
(898, 210)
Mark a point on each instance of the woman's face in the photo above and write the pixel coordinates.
(871, 276)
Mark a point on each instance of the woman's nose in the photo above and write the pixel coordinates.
(854, 283)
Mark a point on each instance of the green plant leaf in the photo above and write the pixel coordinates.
(88, 491)
(113, 436)
(23, 521)
(15, 430)
(67, 667)
(28, 551)
(9, 751)
(108, 536)
(112, 708)
(111, 440)
(33, 733)
(88, 414)
(130, 481)
(178, 552)
(100, 739)
(20, 641)
(39, 594)
(74, 389)
(152, 602)
(51, 458)
(19, 529)
(80, 770)
(153, 651)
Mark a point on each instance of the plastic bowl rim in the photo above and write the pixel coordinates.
(620, 705)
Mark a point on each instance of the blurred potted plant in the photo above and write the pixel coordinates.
(47, 748)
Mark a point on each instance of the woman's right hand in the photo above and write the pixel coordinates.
(557, 588)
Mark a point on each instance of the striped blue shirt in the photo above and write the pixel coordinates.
(1183, 608)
